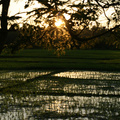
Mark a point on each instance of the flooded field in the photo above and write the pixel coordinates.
(58, 95)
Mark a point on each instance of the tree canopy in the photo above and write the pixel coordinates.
(76, 16)
(82, 13)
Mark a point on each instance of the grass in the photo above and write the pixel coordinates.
(37, 59)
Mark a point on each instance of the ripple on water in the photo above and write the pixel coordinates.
(34, 106)
(90, 75)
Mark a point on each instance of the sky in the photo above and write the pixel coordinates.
(18, 6)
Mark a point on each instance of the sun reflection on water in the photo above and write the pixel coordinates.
(90, 75)
(47, 97)
(21, 75)
(61, 105)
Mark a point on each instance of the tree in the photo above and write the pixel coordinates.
(5, 6)
(92, 13)
(83, 14)
(4, 22)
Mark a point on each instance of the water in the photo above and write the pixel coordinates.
(79, 95)
(90, 75)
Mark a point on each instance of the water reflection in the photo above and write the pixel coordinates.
(90, 75)
(56, 107)
(21, 75)
(90, 98)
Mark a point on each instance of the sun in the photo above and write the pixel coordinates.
(59, 23)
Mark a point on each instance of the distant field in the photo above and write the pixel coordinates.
(37, 59)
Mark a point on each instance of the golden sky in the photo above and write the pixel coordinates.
(18, 6)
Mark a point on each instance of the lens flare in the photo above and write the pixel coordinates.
(59, 23)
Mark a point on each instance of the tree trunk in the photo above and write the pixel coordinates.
(5, 7)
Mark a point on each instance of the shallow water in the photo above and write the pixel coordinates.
(90, 75)
(79, 95)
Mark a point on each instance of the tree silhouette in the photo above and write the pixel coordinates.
(4, 22)
(83, 14)
(5, 6)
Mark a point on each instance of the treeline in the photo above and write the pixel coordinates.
(110, 40)
(30, 36)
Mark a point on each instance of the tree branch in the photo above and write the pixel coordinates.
(107, 5)
(112, 4)
(86, 39)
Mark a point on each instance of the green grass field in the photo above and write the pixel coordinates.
(37, 59)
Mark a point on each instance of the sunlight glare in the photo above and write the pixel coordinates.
(59, 23)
